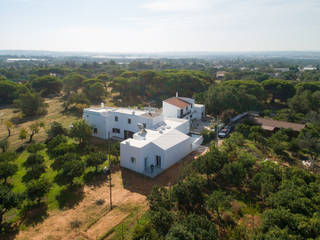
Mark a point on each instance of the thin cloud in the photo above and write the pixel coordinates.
(177, 5)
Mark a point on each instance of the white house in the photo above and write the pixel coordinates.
(181, 107)
(154, 139)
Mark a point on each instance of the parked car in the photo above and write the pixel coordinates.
(224, 132)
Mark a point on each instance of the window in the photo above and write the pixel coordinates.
(133, 160)
(129, 121)
(116, 118)
(186, 107)
(181, 112)
(115, 130)
(158, 161)
(144, 125)
(95, 130)
(191, 105)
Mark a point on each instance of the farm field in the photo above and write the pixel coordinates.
(91, 217)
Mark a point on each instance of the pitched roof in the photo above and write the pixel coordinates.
(270, 124)
(178, 102)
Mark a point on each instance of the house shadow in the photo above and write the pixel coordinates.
(142, 184)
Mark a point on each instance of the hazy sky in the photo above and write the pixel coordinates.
(160, 25)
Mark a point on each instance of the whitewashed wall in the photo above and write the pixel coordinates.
(177, 152)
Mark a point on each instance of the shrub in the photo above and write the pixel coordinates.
(144, 230)
(35, 147)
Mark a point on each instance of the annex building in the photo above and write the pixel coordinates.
(151, 139)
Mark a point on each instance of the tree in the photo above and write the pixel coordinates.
(309, 141)
(7, 166)
(81, 131)
(162, 220)
(179, 232)
(200, 227)
(211, 163)
(8, 201)
(105, 78)
(23, 134)
(56, 129)
(189, 194)
(217, 202)
(36, 189)
(218, 98)
(33, 159)
(35, 147)
(70, 170)
(95, 159)
(47, 85)
(279, 89)
(7, 169)
(35, 128)
(59, 161)
(4, 144)
(9, 91)
(34, 172)
(95, 92)
(9, 126)
(31, 104)
(73, 82)
(236, 172)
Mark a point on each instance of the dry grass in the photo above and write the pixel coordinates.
(54, 114)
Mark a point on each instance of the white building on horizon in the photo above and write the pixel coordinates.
(153, 139)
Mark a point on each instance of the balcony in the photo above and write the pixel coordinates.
(185, 114)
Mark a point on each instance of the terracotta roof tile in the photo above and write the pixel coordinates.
(177, 102)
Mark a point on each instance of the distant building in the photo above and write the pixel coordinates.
(281, 69)
(309, 68)
(154, 139)
(273, 125)
(220, 75)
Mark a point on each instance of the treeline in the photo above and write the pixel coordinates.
(159, 85)
(280, 99)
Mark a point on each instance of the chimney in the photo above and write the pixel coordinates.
(177, 94)
(102, 105)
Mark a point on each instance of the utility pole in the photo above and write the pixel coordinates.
(217, 130)
(109, 170)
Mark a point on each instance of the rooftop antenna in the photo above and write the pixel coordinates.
(141, 128)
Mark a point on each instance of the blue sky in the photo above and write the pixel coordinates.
(160, 25)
